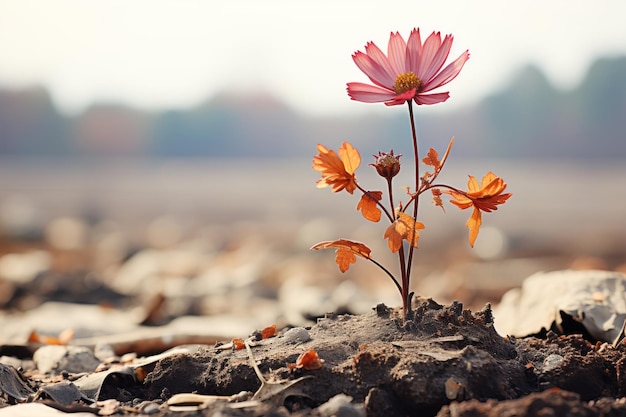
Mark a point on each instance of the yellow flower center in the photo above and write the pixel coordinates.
(405, 82)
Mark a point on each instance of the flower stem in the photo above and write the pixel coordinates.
(395, 281)
(416, 200)
(406, 302)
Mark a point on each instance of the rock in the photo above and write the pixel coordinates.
(562, 301)
(73, 359)
(341, 406)
(297, 335)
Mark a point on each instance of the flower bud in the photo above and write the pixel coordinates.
(387, 164)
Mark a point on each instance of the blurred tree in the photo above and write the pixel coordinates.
(31, 125)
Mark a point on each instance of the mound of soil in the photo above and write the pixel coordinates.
(443, 361)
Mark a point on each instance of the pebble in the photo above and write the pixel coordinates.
(341, 406)
(148, 407)
(103, 351)
(297, 335)
(552, 361)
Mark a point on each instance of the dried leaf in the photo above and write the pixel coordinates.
(238, 343)
(269, 331)
(309, 360)
(344, 258)
(404, 227)
(369, 207)
(432, 159)
(437, 198)
(346, 251)
(13, 385)
(62, 339)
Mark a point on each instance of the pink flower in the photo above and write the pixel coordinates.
(409, 71)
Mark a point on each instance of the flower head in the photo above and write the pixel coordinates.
(408, 71)
(485, 197)
(387, 164)
(337, 169)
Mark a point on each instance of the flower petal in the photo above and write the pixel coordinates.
(438, 59)
(377, 74)
(472, 184)
(369, 93)
(432, 98)
(473, 224)
(396, 51)
(386, 75)
(350, 157)
(413, 51)
(429, 49)
(448, 74)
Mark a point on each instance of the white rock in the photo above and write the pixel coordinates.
(597, 299)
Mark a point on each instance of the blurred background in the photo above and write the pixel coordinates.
(158, 152)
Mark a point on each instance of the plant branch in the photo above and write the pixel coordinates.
(395, 281)
(417, 185)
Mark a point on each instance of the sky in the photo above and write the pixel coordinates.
(163, 54)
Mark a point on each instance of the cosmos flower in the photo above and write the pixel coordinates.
(409, 71)
(485, 197)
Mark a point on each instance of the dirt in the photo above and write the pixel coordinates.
(443, 361)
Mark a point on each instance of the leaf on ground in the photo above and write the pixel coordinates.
(269, 331)
(238, 343)
(309, 360)
(12, 384)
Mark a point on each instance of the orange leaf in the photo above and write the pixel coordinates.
(368, 205)
(357, 247)
(269, 331)
(437, 198)
(63, 339)
(309, 360)
(344, 258)
(473, 224)
(238, 343)
(346, 251)
(432, 159)
(404, 227)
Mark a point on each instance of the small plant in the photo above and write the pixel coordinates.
(407, 74)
